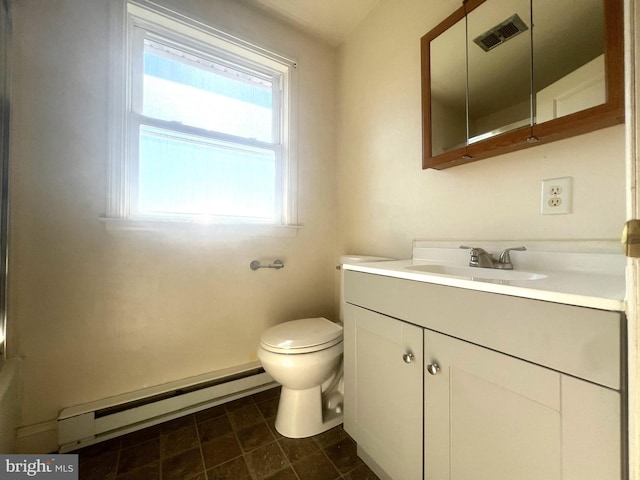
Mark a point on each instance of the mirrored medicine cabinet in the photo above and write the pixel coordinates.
(501, 76)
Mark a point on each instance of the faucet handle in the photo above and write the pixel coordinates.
(505, 257)
(474, 250)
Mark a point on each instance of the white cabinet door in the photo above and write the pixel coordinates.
(591, 435)
(383, 405)
(489, 416)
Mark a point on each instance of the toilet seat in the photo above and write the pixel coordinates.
(301, 336)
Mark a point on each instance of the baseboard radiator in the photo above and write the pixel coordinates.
(101, 420)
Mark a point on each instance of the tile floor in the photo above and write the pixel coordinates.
(235, 441)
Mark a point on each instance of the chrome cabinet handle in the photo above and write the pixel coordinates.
(433, 368)
(408, 357)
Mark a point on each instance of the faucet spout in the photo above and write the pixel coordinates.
(481, 258)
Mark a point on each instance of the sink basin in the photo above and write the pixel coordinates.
(477, 273)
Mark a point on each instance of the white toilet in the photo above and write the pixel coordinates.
(305, 357)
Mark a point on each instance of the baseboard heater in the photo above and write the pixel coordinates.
(101, 420)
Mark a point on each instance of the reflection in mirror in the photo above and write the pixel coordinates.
(568, 56)
(449, 90)
(499, 55)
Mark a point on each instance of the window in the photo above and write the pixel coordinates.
(206, 126)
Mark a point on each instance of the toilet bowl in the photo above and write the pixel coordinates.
(305, 357)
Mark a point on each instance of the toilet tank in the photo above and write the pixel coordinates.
(353, 259)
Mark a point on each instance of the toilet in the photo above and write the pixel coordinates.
(305, 357)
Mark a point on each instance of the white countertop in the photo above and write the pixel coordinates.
(581, 279)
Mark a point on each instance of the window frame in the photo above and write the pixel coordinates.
(135, 20)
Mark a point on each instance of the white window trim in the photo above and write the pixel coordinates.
(117, 218)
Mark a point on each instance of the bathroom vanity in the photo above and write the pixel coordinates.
(450, 376)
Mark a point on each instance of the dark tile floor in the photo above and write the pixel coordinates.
(235, 441)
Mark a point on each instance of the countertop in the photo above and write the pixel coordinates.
(580, 279)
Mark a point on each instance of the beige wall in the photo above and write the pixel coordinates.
(387, 201)
(96, 314)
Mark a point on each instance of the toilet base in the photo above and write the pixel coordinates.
(301, 413)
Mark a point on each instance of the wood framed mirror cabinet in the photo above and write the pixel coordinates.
(502, 76)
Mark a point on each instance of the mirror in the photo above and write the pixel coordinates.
(569, 76)
(499, 68)
(448, 89)
(531, 71)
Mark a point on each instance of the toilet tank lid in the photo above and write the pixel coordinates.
(361, 259)
(303, 333)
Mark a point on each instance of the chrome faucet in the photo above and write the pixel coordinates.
(483, 259)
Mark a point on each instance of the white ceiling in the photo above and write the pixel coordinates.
(330, 20)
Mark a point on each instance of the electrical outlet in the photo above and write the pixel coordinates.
(556, 196)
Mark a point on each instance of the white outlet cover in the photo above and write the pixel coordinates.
(555, 196)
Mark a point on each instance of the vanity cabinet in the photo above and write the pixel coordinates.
(491, 416)
(385, 394)
(500, 387)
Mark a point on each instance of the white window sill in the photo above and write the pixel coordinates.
(118, 226)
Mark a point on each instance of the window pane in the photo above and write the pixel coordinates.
(182, 88)
(181, 174)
